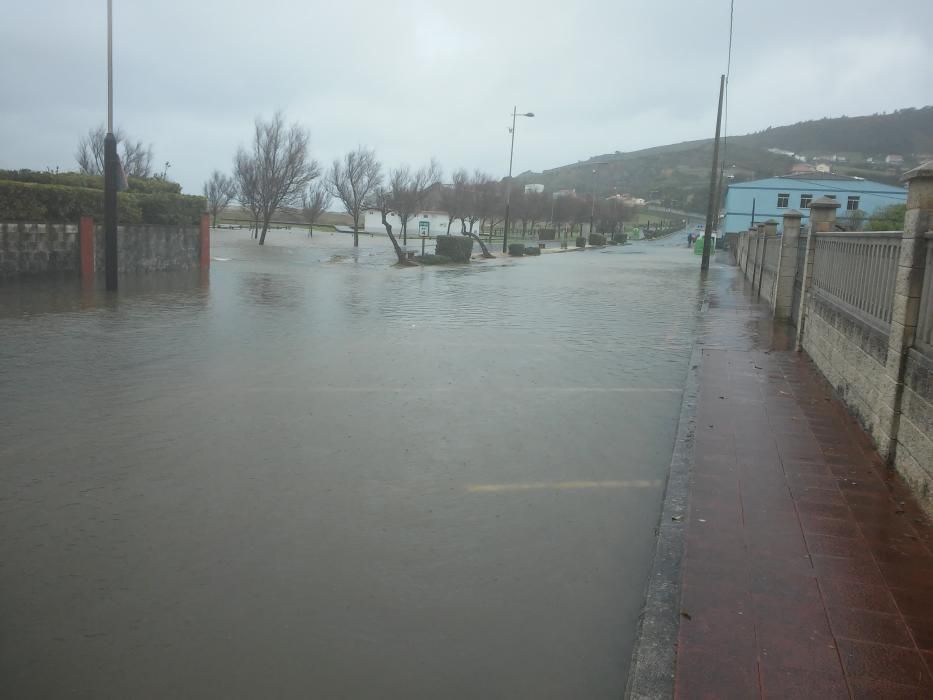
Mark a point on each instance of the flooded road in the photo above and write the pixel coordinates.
(313, 475)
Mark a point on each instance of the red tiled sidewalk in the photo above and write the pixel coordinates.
(808, 570)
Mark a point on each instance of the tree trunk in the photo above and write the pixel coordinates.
(449, 222)
(265, 228)
(399, 253)
(524, 224)
(486, 253)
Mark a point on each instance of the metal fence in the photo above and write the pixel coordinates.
(857, 271)
(924, 340)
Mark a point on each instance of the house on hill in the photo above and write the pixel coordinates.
(772, 197)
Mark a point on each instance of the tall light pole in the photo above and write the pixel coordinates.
(110, 169)
(593, 209)
(508, 190)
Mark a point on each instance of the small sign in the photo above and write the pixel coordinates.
(424, 228)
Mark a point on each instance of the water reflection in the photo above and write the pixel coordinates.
(237, 478)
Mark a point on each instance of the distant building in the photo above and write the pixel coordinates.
(772, 197)
(436, 222)
(781, 152)
(565, 193)
(824, 168)
(800, 168)
(536, 188)
(894, 160)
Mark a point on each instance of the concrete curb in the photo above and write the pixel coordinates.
(651, 673)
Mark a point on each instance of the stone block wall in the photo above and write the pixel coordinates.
(33, 248)
(36, 248)
(852, 356)
(142, 248)
(914, 455)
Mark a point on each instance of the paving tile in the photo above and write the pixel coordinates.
(857, 596)
(881, 628)
(863, 689)
(708, 673)
(796, 683)
(828, 545)
(879, 662)
(859, 570)
(829, 526)
(921, 629)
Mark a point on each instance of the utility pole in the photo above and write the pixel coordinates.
(508, 190)
(110, 169)
(713, 205)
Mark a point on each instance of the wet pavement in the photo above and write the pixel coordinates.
(312, 474)
(808, 569)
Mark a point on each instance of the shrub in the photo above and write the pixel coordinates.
(142, 185)
(581, 242)
(546, 234)
(597, 239)
(532, 250)
(890, 218)
(620, 237)
(516, 249)
(26, 201)
(456, 248)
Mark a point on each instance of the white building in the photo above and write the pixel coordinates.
(436, 222)
(538, 189)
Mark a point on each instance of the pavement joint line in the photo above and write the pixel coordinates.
(565, 486)
(459, 388)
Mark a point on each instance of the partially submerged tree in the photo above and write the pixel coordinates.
(409, 190)
(283, 166)
(219, 190)
(383, 201)
(246, 179)
(314, 203)
(135, 157)
(354, 180)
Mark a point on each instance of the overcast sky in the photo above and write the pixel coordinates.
(421, 78)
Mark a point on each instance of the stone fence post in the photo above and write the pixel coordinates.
(205, 253)
(905, 312)
(756, 264)
(769, 229)
(787, 266)
(86, 247)
(822, 220)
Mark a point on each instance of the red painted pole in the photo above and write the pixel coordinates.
(86, 247)
(205, 241)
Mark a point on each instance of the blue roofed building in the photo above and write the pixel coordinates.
(772, 197)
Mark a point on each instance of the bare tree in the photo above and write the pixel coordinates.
(314, 203)
(354, 180)
(135, 157)
(409, 190)
(459, 201)
(487, 199)
(246, 177)
(382, 200)
(218, 191)
(283, 167)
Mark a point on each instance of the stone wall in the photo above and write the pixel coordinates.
(143, 248)
(28, 248)
(37, 248)
(852, 356)
(914, 455)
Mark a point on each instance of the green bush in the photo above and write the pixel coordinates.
(26, 201)
(620, 237)
(597, 239)
(142, 185)
(581, 242)
(532, 250)
(890, 218)
(456, 248)
(516, 249)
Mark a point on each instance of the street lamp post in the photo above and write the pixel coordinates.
(593, 208)
(110, 169)
(508, 190)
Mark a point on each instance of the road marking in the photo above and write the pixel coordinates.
(564, 486)
(477, 387)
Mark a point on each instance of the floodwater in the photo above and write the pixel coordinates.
(314, 475)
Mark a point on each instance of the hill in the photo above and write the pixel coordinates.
(677, 175)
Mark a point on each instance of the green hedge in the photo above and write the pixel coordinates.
(457, 248)
(141, 185)
(597, 239)
(26, 201)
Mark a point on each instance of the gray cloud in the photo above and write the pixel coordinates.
(416, 79)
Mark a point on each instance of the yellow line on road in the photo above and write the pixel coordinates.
(564, 486)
